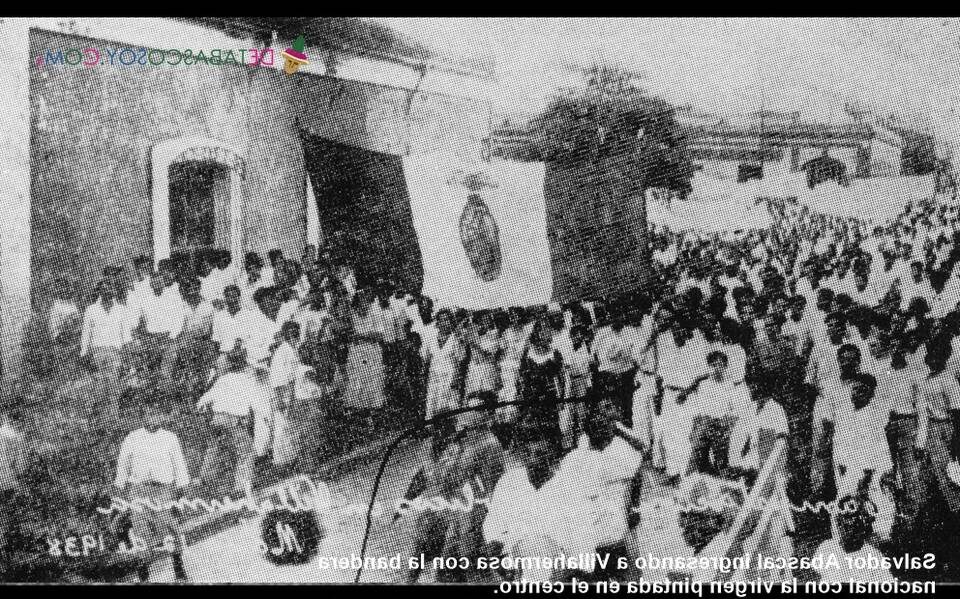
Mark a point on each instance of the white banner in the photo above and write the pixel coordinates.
(482, 231)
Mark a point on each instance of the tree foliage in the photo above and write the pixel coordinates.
(919, 153)
(608, 120)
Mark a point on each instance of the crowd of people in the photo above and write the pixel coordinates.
(836, 335)
(278, 356)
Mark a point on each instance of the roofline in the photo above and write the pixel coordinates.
(438, 64)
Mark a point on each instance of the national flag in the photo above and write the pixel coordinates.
(506, 233)
(482, 231)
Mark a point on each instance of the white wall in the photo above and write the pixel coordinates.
(885, 159)
(720, 169)
(14, 194)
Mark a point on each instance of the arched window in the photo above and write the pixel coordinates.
(197, 203)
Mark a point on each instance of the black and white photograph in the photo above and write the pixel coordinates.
(529, 304)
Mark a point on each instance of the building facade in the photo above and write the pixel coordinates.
(784, 142)
(102, 162)
(781, 140)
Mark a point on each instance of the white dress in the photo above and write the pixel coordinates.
(445, 364)
(860, 444)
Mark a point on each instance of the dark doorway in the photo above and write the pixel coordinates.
(199, 207)
(364, 210)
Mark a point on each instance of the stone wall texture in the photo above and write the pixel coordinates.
(92, 131)
(91, 134)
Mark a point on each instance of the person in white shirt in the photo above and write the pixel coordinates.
(514, 339)
(561, 331)
(900, 274)
(290, 302)
(646, 386)
(309, 258)
(595, 481)
(283, 365)
(481, 340)
(167, 268)
(193, 349)
(151, 468)
(578, 383)
(271, 273)
(834, 396)
(822, 366)
(226, 270)
(524, 506)
(682, 364)
(411, 308)
(467, 466)
(347, 277)
(237, 404)
(105, 335)
(715, 407)
(861, 454)
(230, 325)
(211, 278)
(160, 320)
(667, 255)
(264, 329)
(142, 268)
(283, 376)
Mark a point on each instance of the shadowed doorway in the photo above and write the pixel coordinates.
(364, 210)
(199, 207)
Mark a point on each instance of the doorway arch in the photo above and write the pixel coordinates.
(175, 154)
